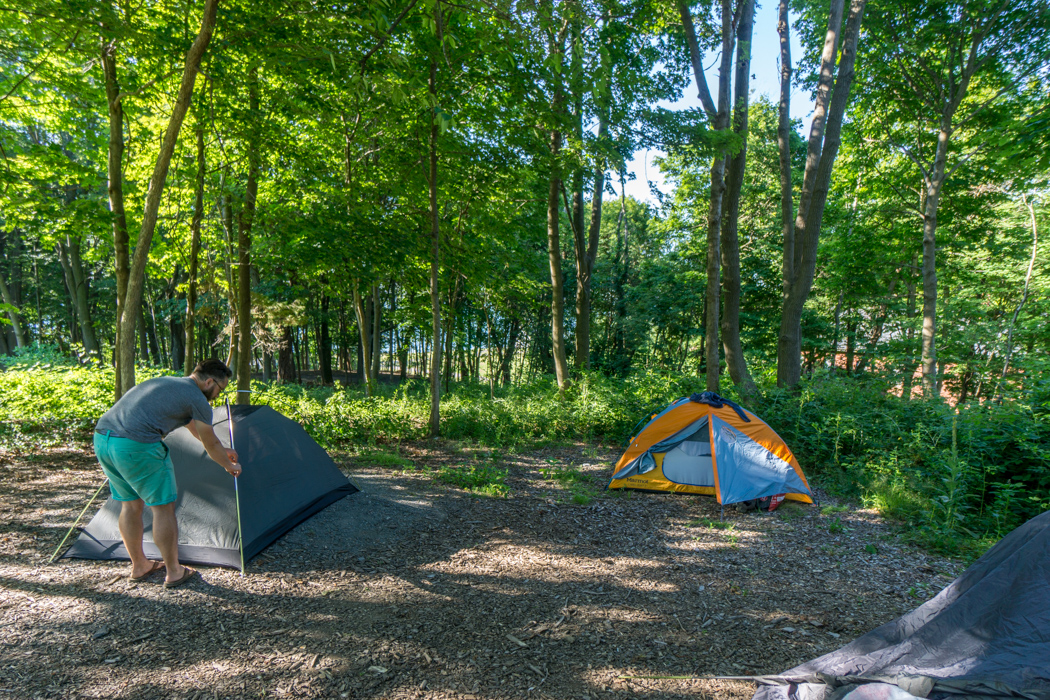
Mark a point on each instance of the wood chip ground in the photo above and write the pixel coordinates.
(412, 589)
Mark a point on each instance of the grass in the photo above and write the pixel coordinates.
(579, 485)
(830, 510)
(387, 460)
(478, 480)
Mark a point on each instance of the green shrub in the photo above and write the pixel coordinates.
(955, 477)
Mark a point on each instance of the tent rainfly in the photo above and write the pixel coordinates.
(986, 635)
(287, 478)
(708, 445)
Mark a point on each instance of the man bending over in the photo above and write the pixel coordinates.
(129, 446)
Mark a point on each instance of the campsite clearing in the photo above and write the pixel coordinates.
(414, 588)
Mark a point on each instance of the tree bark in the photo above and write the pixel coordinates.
(735, 360)
(934, 183)
(824, 140)
(1030, 205)
(719, 118)
(195, 246)
(121, 241)
(435, 278)
(77, 283)
(136, 278)
(244, 247)
(377, 335)
(362, 311)
(587, 254)
(285, 363)
(556, 47)
(325, 351)
(12, 315)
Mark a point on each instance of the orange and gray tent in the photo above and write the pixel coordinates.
(706, 444)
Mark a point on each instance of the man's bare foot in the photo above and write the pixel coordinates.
(144, 572)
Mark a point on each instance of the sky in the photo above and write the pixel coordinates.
(765, 57)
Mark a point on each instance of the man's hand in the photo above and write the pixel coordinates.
(236, 468)
(226, 457)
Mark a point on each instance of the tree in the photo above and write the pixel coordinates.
(802, 230)
(940, 67)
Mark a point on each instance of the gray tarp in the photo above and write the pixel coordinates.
(986, 634)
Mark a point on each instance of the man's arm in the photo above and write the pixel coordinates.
(226, 458)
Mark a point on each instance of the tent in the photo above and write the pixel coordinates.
(287, 478)
(709, 445)
(987, 634)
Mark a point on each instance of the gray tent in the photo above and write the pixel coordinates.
(987, 634)
(287, 478)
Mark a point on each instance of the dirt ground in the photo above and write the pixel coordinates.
(413, 589)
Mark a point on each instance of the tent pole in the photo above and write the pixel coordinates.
(57, 549)
(236, 491)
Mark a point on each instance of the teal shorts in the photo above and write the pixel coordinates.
(137, 469)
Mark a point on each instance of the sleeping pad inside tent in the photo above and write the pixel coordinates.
(708, 445)
(286, 478)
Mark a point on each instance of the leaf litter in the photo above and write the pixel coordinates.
(415, 589)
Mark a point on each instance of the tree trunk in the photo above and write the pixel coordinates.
(556, 47)
(76, 281)
(195, 247)
(244, 246)
(824, 140)
(285, 364)
(934, 183)
(325, 351)
(121, 241)
(12, 315)
(910, 334)
(719, 118)
(735, 360)
(362, 310)
(1030, 205)
(435, 241)
(136, 278)
(377, 335)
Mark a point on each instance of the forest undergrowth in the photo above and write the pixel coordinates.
(958, 478)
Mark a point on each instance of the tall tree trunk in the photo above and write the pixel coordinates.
(176, 329)
(77, 283)
(909, 369)
(587, 253)
(136, 278)
(12, 314)
(362, 310)
(121, 241)
(377, 334)
(1009, 352)
(325, 351)
(824, 141)
(195, 247)
(556, 47)
(934, 183)
(435, 241)
(735, 360)
(285, 363)
(244, 246)
(719, 117)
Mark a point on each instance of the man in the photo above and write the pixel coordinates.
(129, 446)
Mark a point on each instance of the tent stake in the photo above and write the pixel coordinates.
(70, 532)
(236, 491)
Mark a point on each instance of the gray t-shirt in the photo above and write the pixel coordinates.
(152, 409)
